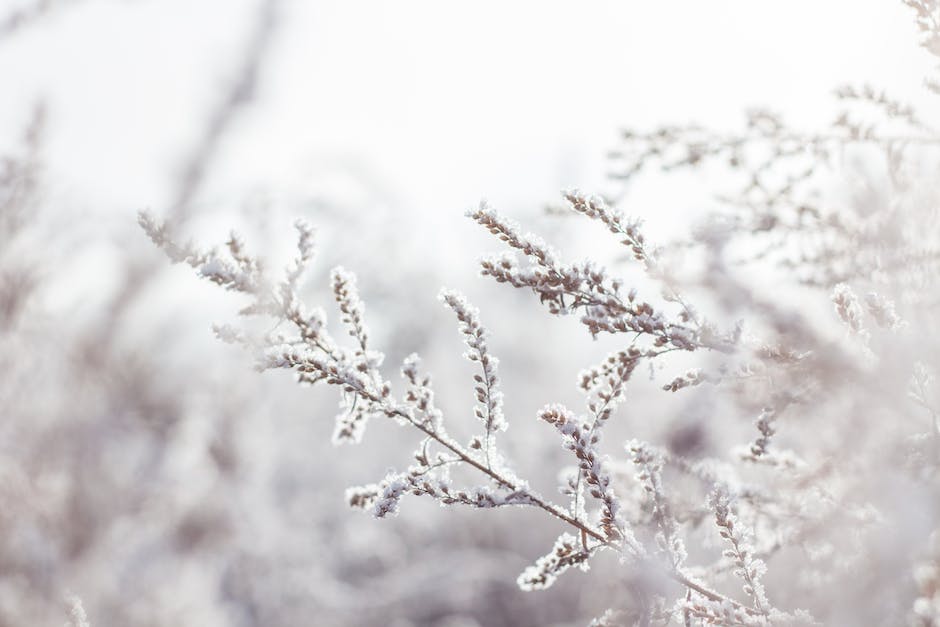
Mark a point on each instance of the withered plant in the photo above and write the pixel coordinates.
(821, 499)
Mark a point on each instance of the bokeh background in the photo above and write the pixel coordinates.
(144, 466)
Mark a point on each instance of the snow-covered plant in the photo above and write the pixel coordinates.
(810, 477)
(316, 356)
(646, 531)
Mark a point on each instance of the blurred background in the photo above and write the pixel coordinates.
(145, 467)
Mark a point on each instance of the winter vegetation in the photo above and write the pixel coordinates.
(749, 434)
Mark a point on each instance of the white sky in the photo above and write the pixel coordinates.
(432, 104)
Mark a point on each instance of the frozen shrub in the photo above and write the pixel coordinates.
(815, 500)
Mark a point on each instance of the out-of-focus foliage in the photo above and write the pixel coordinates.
(757, 443)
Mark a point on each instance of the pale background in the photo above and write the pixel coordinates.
(381, 122)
